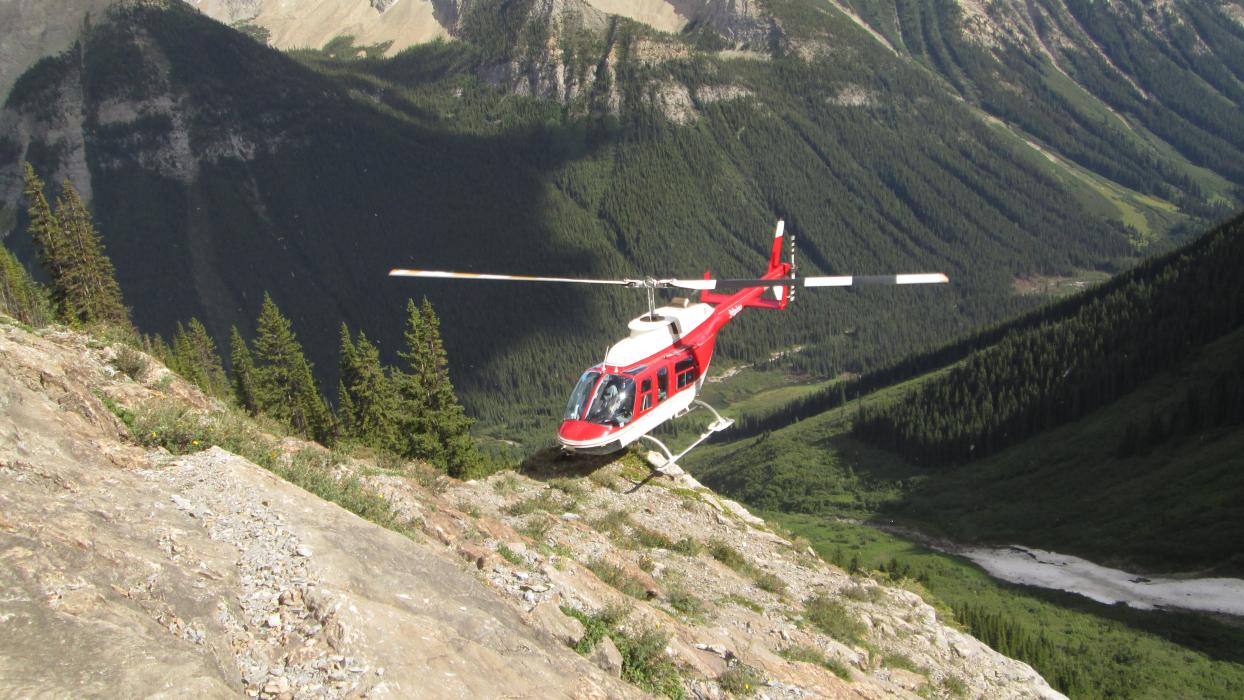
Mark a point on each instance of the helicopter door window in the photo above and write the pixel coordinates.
(645, 390)
(685, 370)
(577, 406)
(663, 384)
(614, 402)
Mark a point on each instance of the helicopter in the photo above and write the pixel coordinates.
(655, 374)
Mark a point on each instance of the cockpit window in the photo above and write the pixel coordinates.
(577, 406)
(614, 401)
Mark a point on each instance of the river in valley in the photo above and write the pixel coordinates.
(1036, 567)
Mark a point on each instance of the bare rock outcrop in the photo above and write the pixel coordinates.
(130, 573)
(204, 574)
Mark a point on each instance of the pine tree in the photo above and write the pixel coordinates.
(284, 387)
(434, 426)
(20, 296)
(89, 278)
(373, 396)
(84, 283)
(347, 373)
(48, 237)
(195, 358)
(243, 372)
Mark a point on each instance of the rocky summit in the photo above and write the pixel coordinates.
(132, 571)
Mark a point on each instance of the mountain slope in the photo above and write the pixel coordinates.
(192, 135)
(221, 577)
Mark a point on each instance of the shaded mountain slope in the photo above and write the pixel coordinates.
(192, 135)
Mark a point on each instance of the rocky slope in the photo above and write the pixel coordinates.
(153, 574)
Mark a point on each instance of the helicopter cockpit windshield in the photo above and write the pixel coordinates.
(612, 403)
(576, 408)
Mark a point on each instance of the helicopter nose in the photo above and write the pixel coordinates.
(575, 433)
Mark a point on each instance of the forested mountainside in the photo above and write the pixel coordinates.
(1115, 418)
(1134, 91)
(1083, 354)
(554, 140)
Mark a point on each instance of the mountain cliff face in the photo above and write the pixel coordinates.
(202, 572)
(313, 23)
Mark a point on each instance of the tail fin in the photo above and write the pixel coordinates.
(777, 270)
(775, 257)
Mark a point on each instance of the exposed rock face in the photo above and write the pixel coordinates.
(32, 29)
(207, 575)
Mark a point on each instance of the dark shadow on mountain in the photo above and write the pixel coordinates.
(225, 170)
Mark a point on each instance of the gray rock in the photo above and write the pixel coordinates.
(607, 657)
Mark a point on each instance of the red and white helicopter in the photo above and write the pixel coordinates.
(653, 375)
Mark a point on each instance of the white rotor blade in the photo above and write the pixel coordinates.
(850, 280)
(691, 284)
(441, 274)
(836, 281)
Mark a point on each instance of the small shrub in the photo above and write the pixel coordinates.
(613, 523)
(955, 686)
(647, 564)
(175, 429)
(744, 602)
(469, 508)
(687, 546)
(741, 680)
(831, 618)
(510, 555)
(544, 501)
(902, 661)
(616, 576)
(645, 663)
(728, 555)
(596, 626)
(813, 655)
(602, 479)
(537, 527)
(126, 416)
(428, 477)
(129, 362)
(685, 603)
(568, 486)
(860, 592)
(506, 484)
(838, 668)
(650, 539)
(771, 583)
(390, 461)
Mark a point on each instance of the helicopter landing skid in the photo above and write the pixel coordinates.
(667, 464)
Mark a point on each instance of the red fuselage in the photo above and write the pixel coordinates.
(615, 404)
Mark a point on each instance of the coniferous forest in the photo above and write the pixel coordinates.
(1083, 354)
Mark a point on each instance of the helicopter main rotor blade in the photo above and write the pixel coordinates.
(838, 281)
(441, 274)
(852, 280)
